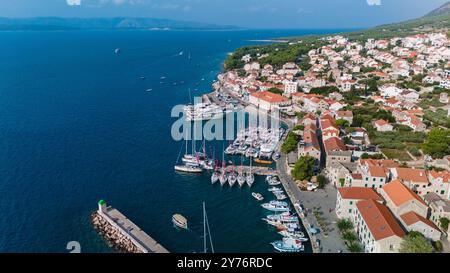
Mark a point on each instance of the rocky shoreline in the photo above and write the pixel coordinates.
(112, 235)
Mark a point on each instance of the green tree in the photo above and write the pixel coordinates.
(415, 242)
(275, 91)
(349, 236)
(354, 247)
(298, 128)
(344, 225)
(437, 143)
(321, 180)
(304, 168)
(290, 144)
(444, 222)
(342, 123)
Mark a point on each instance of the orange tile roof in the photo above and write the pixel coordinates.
(380, 221)
(356, 176)
(399, 193)
(311, 127)
(411, 218)
(269, 97)
(413, 175)
(334, 144)
(388, 163)
(359, 193)
(310, 139)
(377, 171)
(344, 113)
(445, 175)
(381, 122)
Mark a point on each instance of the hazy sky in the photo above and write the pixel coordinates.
(245, 13)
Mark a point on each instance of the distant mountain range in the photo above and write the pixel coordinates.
(442, 10)
(118, 23)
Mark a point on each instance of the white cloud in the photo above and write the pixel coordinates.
(73, 2)
(374, 2)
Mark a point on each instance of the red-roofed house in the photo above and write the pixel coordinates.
(311, 145)
(345, 115)
(415, 179)
(414, 222)
(372, 176)
(267, 101)
(383, 126)
(328, 127)
(401, 199)
(347, 198)
(377, 228)
(440, 183)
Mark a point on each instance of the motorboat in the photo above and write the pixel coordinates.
(275, 207)
(257, 196)
(285, 217)
(179, 221)
(288, 245)
(275, 189)
(298, 235)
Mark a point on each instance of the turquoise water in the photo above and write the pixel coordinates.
(76, 125)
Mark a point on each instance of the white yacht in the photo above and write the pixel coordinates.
(188, 169)
(203, 111)
(232, 177)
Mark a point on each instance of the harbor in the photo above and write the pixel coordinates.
(122, 233)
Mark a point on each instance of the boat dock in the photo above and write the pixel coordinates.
(126, 231)
(256, 170)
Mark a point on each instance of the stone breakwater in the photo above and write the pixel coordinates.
(112, 235)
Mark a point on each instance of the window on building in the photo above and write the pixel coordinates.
(350, 210)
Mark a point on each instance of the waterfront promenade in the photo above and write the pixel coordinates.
(324, 200)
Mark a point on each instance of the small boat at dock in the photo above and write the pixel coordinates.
(298, 235)
(232, 177)
(241, 179)
(278, 207)
(257, 196)
(179, 221)
(262, 161)
(188, 169)
(288, 245)
(250, 178)
(215, 177)
(275, 189)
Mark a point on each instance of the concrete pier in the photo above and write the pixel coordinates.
(256, 170)
(141, 240)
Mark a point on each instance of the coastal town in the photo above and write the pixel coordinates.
(367, 153)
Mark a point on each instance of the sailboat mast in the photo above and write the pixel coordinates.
(209, 231)
(204, 228)
(186, 144)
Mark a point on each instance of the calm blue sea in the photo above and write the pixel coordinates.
(77, 125)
